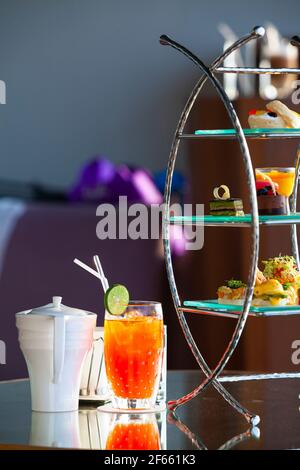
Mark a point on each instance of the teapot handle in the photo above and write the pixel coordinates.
(58, 347)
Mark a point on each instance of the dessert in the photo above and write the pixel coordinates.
(224, 205)
(264, 120)
(277, 115)
(283, 177)
(290, 117)
(272, 205)
(277, 285)
(274, 186)
(269, 201)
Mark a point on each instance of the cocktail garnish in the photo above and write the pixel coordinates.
(116, 299)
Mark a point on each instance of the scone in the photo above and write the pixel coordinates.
(276, 116)
(291, 118)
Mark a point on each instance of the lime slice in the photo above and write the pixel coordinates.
(116, 299)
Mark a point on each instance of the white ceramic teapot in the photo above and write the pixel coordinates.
(55, 340)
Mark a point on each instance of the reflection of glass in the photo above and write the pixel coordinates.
(284, 177)
(118, 429)
(93, 379)
(134, 432)
(90, 437)
(133, 350)
(161, 395)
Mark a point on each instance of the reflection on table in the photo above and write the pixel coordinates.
(92, 429)
(198, 443)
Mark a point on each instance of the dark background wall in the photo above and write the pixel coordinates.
(89, 76)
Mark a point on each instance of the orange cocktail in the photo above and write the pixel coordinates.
(134, 436)
(133, 349)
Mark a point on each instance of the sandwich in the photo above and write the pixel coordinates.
(233, 292)
(282, 268)
(270, 292)
(277, 285)
(267, 293)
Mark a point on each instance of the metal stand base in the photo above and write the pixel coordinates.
(252, 419)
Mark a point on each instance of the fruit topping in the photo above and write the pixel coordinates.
(116, 299)
(264, 188)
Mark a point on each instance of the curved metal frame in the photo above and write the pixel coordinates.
(294, 240)
(211, 376)
(295, 41)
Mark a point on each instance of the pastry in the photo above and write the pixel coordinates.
(291, 118)
(225, 205)
(277, 115)
(265, 120)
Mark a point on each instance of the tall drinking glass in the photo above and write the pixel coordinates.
(133, 352)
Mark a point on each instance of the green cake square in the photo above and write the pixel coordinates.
(226, 207)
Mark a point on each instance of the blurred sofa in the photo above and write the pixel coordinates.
(37, 263)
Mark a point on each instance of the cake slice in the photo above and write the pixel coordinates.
(226, 207)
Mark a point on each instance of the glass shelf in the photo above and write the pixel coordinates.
(259, 133)
(213, 307)
(238, 221)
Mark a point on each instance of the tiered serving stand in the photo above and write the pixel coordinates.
(252, 221)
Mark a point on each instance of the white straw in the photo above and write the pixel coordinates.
(87, 268)
(102, 277)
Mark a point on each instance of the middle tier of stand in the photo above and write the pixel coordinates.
(236, 221)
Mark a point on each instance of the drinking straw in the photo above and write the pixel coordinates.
(99, 273)
(102, 277)
(86, 267)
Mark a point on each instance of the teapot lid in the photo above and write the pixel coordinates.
(56, 308)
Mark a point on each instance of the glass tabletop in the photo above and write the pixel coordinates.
(209, 419)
